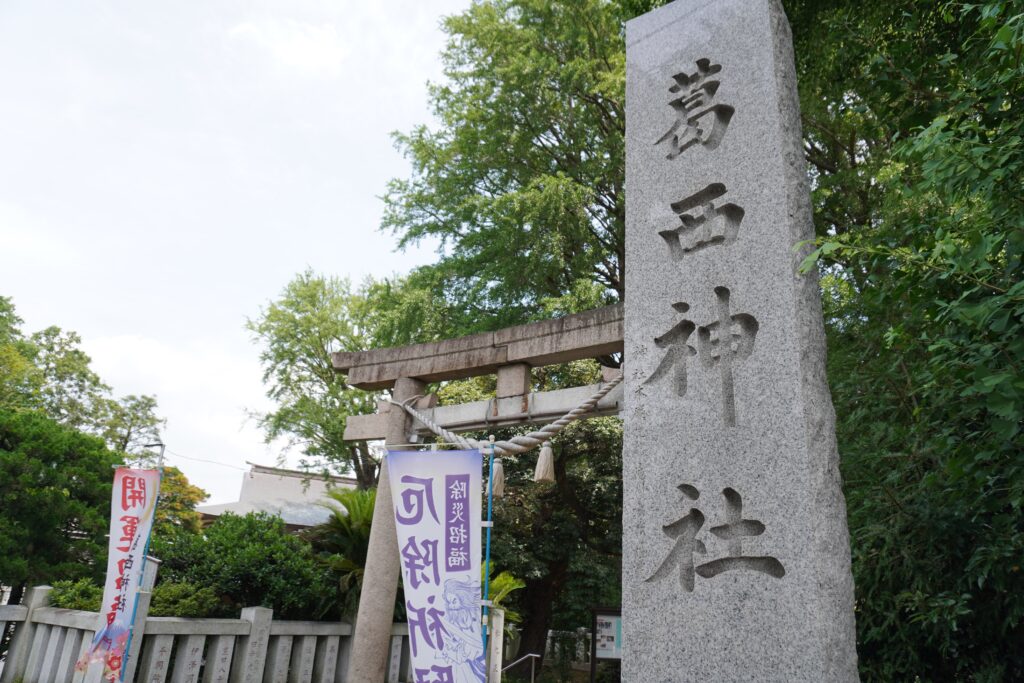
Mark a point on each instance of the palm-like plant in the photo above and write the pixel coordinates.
(501, 586)
(343, 540)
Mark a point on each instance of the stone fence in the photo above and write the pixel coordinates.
(47, 642)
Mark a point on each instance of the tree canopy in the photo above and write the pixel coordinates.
(523, 180)
(49, 372)
(56, 486)
(313, 317)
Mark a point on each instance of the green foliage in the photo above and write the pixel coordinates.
(563, 539)
(169, 599)
(48, 371)
(297, 333)
(343, 540)
(184, 600)
(914, 133)
(83, 594)
(129, 424)
(523, 180)
(176, 508)
(247, 561)
(56, 498)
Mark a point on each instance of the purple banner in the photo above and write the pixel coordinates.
(440, 556)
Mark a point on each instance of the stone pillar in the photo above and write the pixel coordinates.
(736, 559)
(372, 631)
(495, 644)
(20, 648)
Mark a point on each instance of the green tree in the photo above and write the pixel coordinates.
(249, 560)
(71, 392)
(56, 486)
(523, 182)
(19, 377)
(130, 423)
(169, 599)
(913, 131)
(49, 372)
(176, 509)
(313, 317)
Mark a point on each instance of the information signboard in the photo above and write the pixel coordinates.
(605, 637)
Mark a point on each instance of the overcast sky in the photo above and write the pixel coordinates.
(166, 168)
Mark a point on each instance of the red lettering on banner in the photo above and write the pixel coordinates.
(130, 526)
(133, 491)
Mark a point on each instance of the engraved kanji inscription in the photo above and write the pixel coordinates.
(720, 344)
(684, 531)
(701, 223)
(699, 118)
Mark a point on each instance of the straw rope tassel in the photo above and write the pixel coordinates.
(499, 479)
(545, 464)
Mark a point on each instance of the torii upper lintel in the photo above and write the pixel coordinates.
(574, 337)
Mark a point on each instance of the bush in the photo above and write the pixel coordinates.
(184, 600)
(169, 599)
(82, 594)
(250, 561)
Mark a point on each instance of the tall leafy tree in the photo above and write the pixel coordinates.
(71, 392)
(313, 317)
(130, 424)
(48, 371)
(913, 131)
(522, 182)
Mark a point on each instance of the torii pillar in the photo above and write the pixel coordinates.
(372, 633)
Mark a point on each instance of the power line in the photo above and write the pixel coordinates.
(212, 462)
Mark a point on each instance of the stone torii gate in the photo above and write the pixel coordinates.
(736, 558)
(510, 354)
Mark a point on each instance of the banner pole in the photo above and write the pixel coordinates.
(145, 556)
(487, 552)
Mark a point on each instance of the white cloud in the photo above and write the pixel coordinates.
(26, 241)
(309, 49)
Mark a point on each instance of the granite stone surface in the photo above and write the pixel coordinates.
(736, 559)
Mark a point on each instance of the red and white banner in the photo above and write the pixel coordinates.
(131, 520)
(437, 499)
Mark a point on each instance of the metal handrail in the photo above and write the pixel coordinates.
(533, 663)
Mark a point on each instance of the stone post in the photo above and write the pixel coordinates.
(251, 650)
(19, 650)
(495, 644)
(736, 558)
(372, 632)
